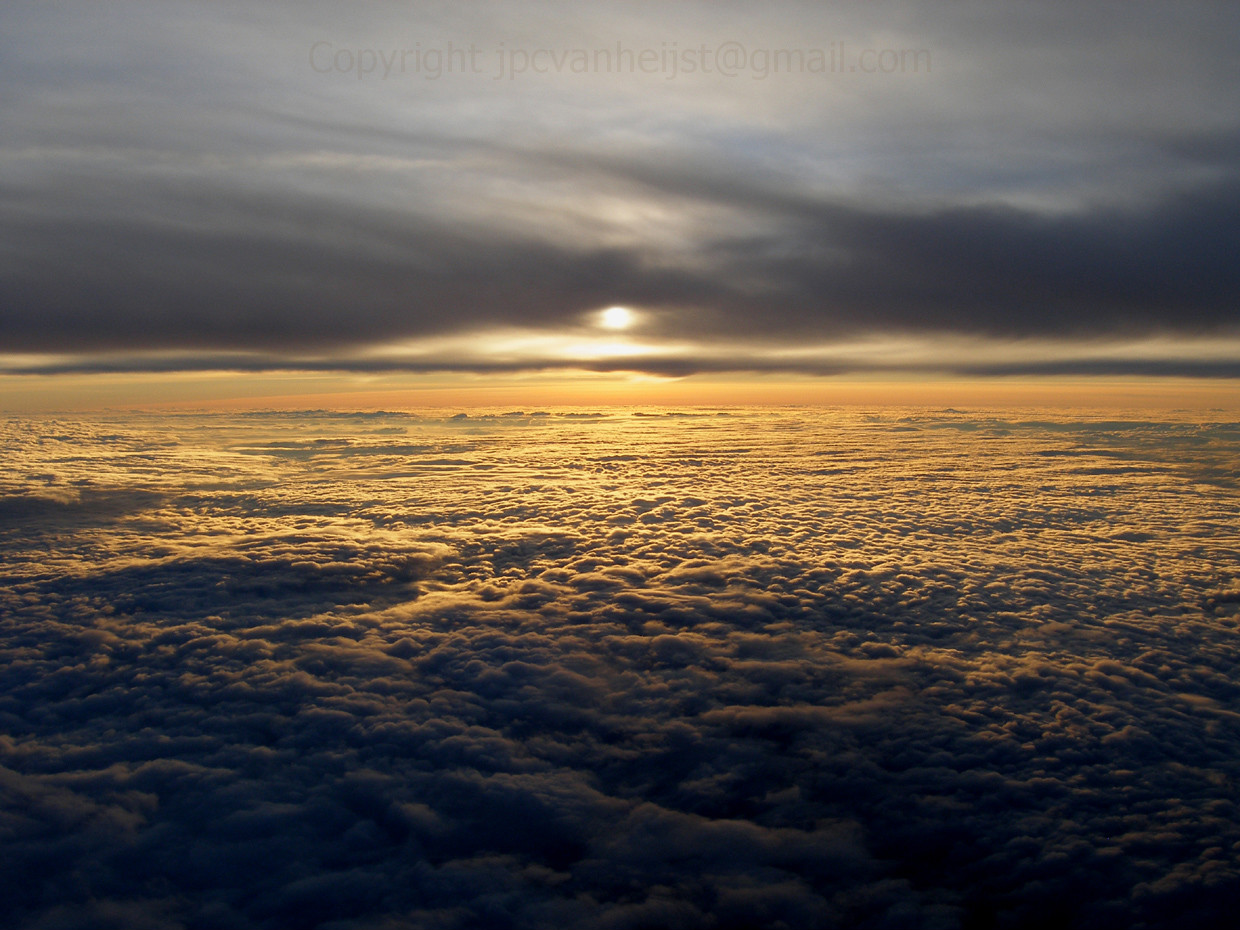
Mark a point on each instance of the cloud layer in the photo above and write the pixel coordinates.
(757, 670)
(199, 182)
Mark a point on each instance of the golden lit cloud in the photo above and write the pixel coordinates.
(756, 662)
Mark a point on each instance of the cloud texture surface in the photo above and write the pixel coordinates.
(761, 670)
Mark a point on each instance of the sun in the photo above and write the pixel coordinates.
(617, 318)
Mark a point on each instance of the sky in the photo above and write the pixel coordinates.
(441, 194)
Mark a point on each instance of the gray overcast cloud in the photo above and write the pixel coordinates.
(315, 179)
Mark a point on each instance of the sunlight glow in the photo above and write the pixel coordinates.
(617, 318)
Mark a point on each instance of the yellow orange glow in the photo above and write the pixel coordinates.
(392, 390)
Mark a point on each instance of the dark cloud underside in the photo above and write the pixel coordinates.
(200, 181)
(221, 272)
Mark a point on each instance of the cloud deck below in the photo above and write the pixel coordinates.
(764, 669)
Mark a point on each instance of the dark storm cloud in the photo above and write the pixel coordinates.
(269, 274)
(1005, 271)
(621, 671)
(192, 182)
